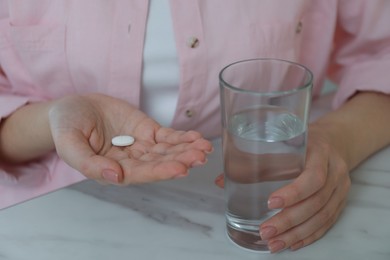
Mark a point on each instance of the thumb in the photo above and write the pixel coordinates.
(77, 153)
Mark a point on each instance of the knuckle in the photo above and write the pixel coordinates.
(296, 192)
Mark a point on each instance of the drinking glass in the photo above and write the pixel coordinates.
(265, 105)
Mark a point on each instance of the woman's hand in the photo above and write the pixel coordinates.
(83, 126)
(337, 143)
(311, 204)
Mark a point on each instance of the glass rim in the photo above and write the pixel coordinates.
(308, 82)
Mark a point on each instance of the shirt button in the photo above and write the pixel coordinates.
(190, 113)
(298, 29)
(193, 42)
(129, 28)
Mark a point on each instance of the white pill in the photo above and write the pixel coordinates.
(122, 140)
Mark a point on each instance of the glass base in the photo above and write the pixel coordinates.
(247, 240)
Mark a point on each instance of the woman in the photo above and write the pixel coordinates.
(76, 73)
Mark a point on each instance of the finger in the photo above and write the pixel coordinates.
(312, 179)
(138, 172)
(320, 232)
(77, 153)
(171, 136)
(220, 181)
(188, 158)
(165, 148)
(297, 214)
(341, 192)
(154, 167)
(311, 230)
(316, 223)
(335, 190)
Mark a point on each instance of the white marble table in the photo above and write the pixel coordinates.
(182, 219)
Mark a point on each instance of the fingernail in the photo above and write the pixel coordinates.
(267, 232)
(210, 151)
(219, 178)
(199, 163)
(219, 181)
(182, 175)
(276, 246)
(110, 176)
(275, 203)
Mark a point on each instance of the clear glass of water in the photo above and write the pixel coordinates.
(265, 106)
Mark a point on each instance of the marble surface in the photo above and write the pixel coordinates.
(183, 219)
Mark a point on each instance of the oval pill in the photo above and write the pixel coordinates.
(122, 140)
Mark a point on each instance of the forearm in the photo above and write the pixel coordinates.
(25, 135)
(360, 127)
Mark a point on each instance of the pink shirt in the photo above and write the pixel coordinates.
(53, 48)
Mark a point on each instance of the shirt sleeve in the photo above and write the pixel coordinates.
(9, 101)
(19, 183)
(361, 57)
(22, 182)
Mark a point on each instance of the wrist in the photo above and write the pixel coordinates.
(332, 134)
(358, 128)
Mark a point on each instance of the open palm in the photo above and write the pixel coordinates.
(82, 129)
